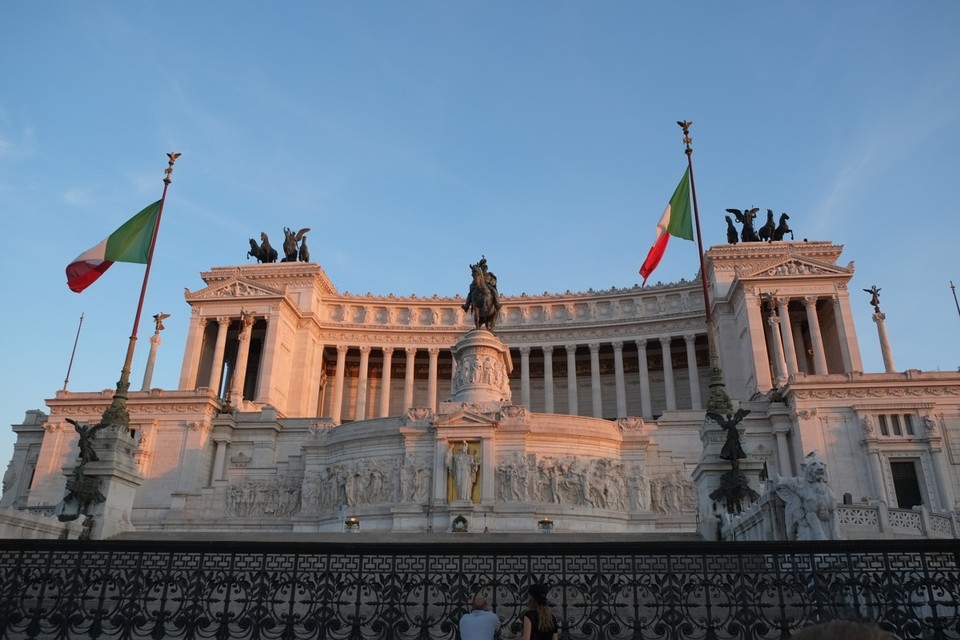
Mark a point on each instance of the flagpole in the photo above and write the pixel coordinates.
(66, 380)
(719, 401)
(116, 413)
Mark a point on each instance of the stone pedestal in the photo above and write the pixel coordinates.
(483, 369)
(118, 478)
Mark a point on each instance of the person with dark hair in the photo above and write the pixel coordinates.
(539, 623)
(844, 630)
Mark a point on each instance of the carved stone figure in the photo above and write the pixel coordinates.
(464, 466)
(483, 297)
(811, 506)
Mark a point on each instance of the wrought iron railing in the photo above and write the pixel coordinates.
(357, 590)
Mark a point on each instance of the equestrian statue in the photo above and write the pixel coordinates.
(483, 298)
(263, 252)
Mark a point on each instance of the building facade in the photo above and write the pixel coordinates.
(299, 408)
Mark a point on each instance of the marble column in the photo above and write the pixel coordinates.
(619, 381)
(786, 335)
(842, 334)
(646, 407)
(757, 345)
(776, 344)
(434, 354)
(216, 365)
(525, 376)
(408, 377)
(151, 361)
(885, 351)
(803, 364)
(337, 409)
(596, 392)
(268, 359)
(783, 451)
(548, 379)
(876, 473)
(694, 371)
(943, 481)
(816, 338)
(191, 355)
(243, 353)
(385, 380)
(668, 374)
(360, 411)
(219, 459)
(572, 408)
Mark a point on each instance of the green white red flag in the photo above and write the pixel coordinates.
(130, 243)
(675, 221)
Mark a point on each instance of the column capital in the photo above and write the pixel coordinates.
(410, 351)
(810, 300)
(617, 345)
(571, 348)
(365, 349)
(433, 351)
(641, 343)
(525, 351)
(690, 338)
(222, 320)
(387, 350)
(665, 341)
(548, 350)
(782, 302)
(342, 348)
(594, 347)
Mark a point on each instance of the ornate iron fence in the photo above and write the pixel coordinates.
(358, 591)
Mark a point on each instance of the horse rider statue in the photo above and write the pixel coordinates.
(483, 297)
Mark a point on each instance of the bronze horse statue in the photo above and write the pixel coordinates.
(482, 299)
(264, 252)
(783, 228)
(766, 231)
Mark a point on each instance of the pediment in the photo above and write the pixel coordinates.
(465, 418)
(234, 288)
(791, 267)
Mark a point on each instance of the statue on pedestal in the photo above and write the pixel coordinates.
(483, 297)
(811, 506)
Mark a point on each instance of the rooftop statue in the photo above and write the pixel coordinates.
(290, 241)
(264, 252)
(782, 228)
(483, 298)
(874, 292)
(769, 232)
(746, 217)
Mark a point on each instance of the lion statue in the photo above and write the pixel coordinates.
(811, 506)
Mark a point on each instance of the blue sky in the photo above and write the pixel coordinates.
(411, 137)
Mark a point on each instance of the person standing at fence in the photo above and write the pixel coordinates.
(539, 623)
(480, 623)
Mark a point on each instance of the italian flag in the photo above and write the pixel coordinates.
(675, 221)
(130, 243)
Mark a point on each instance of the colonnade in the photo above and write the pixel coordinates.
(792, 350)
(344, 390)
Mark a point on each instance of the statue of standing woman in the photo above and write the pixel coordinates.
(464, 465)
